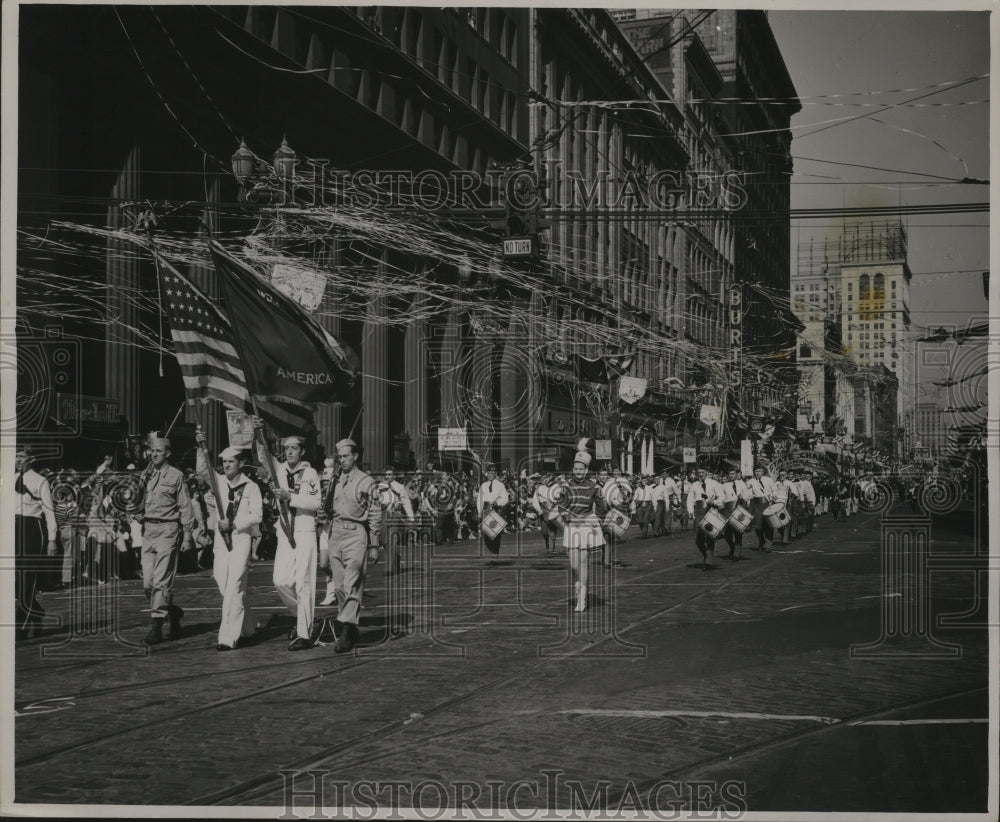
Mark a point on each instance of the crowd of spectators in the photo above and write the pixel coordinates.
(100, 533)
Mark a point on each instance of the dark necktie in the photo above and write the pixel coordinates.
(491, 486)
(290, 478)
(229, 508)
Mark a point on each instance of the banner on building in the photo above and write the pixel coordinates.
(690, 455)
(602, 449)
(632, 389)
(240, 427)
(452, 439)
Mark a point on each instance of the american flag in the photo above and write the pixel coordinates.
(210, 365)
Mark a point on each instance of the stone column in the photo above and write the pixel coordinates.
(415, 349)
(374, 393)
(121, 358)
(329, 417)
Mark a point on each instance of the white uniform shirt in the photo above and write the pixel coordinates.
(807, 492)
(494, 492)
(248, 514)
(391, 494)
(541, 500)
(732, 490)
(709, 491)
(35, 500)
(669, 490)
(785, 491)
(305, 500)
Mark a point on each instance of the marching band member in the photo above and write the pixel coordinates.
(582, 527)
(668, 495)
(736, 493)
(395, 502)
(541, 501)
(807, 493)
(356, 524)
(762, 494)
(298, 486)
(785, 493)
(492, 495)
(34, 538)
(616, 494)
(704, 493)
(238, 511)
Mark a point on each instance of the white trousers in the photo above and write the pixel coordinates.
(230, 569)
(295, 577)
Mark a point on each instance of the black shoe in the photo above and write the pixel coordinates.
(221, 647)
(155, 635)
(347, 638)
(175, 614)
(300, 643)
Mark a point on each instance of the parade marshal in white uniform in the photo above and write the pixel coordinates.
(355, 524)
(297, 486)
(241, 510)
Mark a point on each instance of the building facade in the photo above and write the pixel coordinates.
(388, 89)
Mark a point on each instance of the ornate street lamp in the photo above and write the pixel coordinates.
(257, 188)
(285, 161)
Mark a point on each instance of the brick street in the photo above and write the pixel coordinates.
(741, 677)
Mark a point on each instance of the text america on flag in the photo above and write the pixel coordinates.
(210, 365)
(285, 352)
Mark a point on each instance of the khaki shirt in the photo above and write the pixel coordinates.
(356, 499)
(167, 498)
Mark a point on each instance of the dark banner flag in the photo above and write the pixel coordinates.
(284, 351)
(206, 352)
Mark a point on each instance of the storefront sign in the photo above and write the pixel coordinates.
(452, 439)
(690, 455)
(74, 408)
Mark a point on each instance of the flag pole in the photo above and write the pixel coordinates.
(283, 514)
(176, 416)
(357, 418)
(269, 462)
(213, 480)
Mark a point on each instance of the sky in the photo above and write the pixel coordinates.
(876, 53)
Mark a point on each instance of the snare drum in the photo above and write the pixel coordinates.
(740, 519)
(777, 516)
(617, 523)
(712, 523)
(492, 525)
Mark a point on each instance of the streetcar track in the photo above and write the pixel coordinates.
(265, 783)
(34, 759)
(256, 784)
(793, 736)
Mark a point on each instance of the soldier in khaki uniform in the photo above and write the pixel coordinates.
(166, 516)
(355, 524)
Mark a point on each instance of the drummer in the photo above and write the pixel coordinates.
(548, 515)
(704, 494)
(582, 530)
(616, 494)
(762, 493)
(736, 493)
(786, 494)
